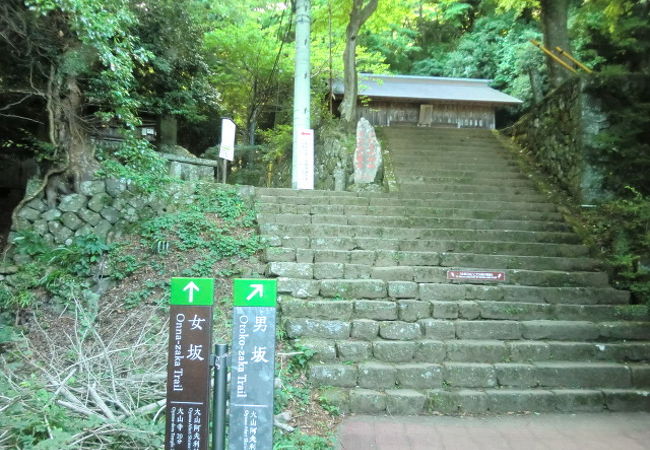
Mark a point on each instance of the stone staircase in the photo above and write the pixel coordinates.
(363, 281)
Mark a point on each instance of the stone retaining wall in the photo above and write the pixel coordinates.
(105, 208)
(551, 131)
(564, 133)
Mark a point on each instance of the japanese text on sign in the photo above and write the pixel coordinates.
(188, 364)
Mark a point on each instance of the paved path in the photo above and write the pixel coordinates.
(607, 431)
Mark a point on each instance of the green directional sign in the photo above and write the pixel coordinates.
(192, 291)
(254, 292)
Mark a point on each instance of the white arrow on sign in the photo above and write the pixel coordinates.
(191, 287)
(258, 289)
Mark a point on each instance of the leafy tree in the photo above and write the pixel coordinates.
(359, 14)
(176, 81)
(74, 55)
(614, 33)
(252, 61)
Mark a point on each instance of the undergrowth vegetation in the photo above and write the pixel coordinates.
(83, 326)
(620, 230)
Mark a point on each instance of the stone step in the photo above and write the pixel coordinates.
(468, 180)
(549, 375)
(410, 310)
(509, 173)
(301, 245)
(512, 176)
(401, 401)
(408, 200)
(442, 292)
(465, 188)
(533, 197)
(446, 329)
(388, 258)
(459, 153)
(334, 277)
(466, 196)
(402, 211)
(324, 230)
(411, 222)
(419, 166)
(442, 145)
(475, 351)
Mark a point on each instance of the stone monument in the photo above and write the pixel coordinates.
(367, 155)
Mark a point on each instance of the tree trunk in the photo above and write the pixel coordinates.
(358, 16)
(556, 34)
(67, 132)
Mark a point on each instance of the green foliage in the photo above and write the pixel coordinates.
(328, 406)
(298, 363)
(620, 229)
(616, 31)
(496, 48)
(137, 161)
(210, 228)
(622, 149)
(176, 80)
(60, 271)
(301, 440)
(97, 31)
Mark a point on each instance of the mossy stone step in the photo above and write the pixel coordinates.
(524, 352)
(379, 289)
(412, 222)
(403, 211)
(388, 258)
(465, 189)
(410, 201)
(462, 375)
(303, 246)
(468, 180)
(411, 310)
(423, 233)
(444, 329)
(333, 275)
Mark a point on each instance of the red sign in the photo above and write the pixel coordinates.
(475, 275)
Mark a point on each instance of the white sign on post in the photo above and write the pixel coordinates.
(305, 166)
(227, 147)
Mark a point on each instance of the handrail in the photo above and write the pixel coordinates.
(573, 60)
(559, 60)
(553, 56)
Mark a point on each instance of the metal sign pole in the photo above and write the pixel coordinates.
(224, 170)
(219, 397)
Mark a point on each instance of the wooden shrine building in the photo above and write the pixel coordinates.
(427, 101)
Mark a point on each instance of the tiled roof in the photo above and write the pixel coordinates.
(428, 88)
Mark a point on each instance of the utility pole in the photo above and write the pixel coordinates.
(302, 166)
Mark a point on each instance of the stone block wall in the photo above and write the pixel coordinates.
(552, 132)
(567, 134)
(105, 208)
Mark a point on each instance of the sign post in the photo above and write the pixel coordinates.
(227, 147)
(252, 364)
(188, 366)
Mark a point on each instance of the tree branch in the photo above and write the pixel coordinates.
(14, 116)
(10, 105)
